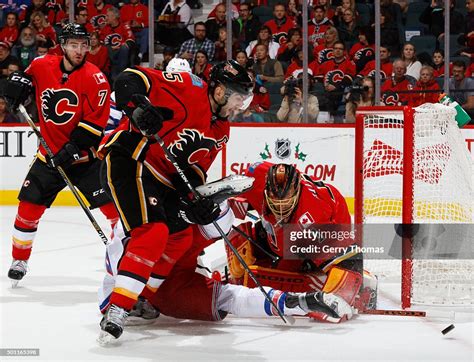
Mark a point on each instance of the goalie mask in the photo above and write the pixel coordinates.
(282, 190)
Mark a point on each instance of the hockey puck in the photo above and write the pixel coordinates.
(448, 329)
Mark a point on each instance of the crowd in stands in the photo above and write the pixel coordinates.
(267, 39)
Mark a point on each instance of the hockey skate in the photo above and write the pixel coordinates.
(17, 271)
(226, 187)
(321, 306)
(143, 313)
(112, 324)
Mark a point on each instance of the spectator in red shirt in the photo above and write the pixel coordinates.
(323, 51)
(399, 82)
(98, 13)
(426, 83)
(280, 24)
(135, 15)
(318, 26)
(363, 51)
(336, 74)
(11, 30)
(202, 67)
(118, 38)
(98, 54)
(386, 66)
(438, 63)
(44, 31)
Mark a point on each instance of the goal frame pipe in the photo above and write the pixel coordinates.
(407, 186)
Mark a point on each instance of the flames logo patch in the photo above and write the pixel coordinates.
(58, 105)
(192, 146)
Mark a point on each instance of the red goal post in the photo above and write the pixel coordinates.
(412, 166)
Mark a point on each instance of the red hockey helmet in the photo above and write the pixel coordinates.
(282, 190)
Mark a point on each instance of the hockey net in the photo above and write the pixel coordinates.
(413, 167)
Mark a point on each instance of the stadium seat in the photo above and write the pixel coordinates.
(453, 44)
(264, 13)
(424, 43)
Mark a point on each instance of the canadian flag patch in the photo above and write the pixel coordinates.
(306, 220)
(100, 78)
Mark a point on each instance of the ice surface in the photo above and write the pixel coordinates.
(55, 310)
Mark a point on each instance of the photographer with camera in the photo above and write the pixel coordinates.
(291, 108)
(360, 94)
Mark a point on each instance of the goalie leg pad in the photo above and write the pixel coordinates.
(343, 283)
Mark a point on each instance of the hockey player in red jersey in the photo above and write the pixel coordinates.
(179, 108)
(286, 199)
(73, 102)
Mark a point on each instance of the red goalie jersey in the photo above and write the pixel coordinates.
(318, 203)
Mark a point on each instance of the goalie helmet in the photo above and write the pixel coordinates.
(282, 190)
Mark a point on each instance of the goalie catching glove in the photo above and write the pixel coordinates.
(148, 118)
(17, 90)
(200, 211)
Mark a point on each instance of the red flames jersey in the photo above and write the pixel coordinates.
(9, 34)
(385, 69)
(424, 97)
(116, 36)
(80, 101)
(336, 72)
(97, 17)
(319, 203)
(316, 32)
(138, 12)
(390, 95)
(190, 135)
(280, 32)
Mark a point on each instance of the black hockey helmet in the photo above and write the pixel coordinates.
(232, 75)
(282, 190)
(73, 31)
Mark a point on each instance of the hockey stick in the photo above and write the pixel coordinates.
(275, 259)
(286, 319)
(401, 313)
(68, 182)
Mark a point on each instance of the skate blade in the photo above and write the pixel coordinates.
(137, 321)
(14, 283)
(105, 339)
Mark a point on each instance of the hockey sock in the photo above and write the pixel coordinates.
(24, 229)
(144, 248)
(110, 212)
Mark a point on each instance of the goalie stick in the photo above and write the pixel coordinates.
(66, 179)
(286, 319)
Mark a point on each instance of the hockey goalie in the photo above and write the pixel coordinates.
(283, 197)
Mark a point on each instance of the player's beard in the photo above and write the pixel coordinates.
(75, 65)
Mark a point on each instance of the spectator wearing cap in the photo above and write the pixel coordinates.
(135, 14)
(318, 25)
(199, 42)
(10, 32)
(291, 108)
(168, 54)
(25, 50)
(5, 58)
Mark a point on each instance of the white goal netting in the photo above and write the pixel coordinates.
(440, 195)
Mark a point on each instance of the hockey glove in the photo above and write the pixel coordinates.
(148, 118)
(17, 90)
(202, 211)
(65, 156)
